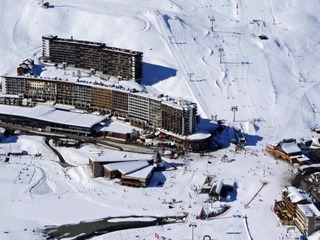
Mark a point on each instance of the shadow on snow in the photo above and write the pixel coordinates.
(152, 73)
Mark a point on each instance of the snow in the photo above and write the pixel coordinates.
(297, 195)
(131, 219)
(49, 114)
(290, 147)
(140, 173)
(309, 210)
(109, 155)
(118, 127)
(274, 83)
(127, 167)
(198, 135)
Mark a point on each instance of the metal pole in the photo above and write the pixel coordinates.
(192, 225)
(234, 109)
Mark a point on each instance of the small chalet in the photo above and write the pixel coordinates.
(140, 178)
(119, 169)
(26, 66)
(288, 150)
(132, 169)
(97, 161)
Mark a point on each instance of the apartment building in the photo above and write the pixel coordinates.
(120, 102)
(292, 196)
(123, 63)
(308, 218)
(179, 116)
(140, 108)
(13, 85)
(40, 90)
(155, 113)
(101, 99)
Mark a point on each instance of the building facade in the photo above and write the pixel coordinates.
(308, 218)
(123, 63)
(140, 108)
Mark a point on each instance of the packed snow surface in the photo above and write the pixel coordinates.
(260, 56)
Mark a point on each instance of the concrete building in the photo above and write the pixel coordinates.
(308, 218)
(48, 119)
(179, 117)
(292, 196)
(122, 63)
(176, 118)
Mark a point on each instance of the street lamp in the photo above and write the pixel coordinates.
(192, 225)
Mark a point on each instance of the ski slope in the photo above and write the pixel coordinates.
(274, 82)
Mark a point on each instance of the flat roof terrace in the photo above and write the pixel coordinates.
(102, 46)
(81, 42)
(53, 115)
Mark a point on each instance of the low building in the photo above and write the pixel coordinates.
(97, 161)
(26, 66)
(119, 169)
(10, 99)
(134, 170)
(48, 119)
(119, 130)
(139, 178)
(289, 151)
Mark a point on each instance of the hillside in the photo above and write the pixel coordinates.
(260, 56)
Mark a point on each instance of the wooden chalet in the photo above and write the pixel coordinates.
(289, 151)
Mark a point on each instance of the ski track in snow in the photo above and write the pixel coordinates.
(278, 83)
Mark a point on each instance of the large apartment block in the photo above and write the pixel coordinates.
(123, 63)
(140, 108)
(179, 117)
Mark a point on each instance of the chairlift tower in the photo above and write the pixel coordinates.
(221, 51)
(190, 76)
(192, 225)
(234, 109)
(212, 20)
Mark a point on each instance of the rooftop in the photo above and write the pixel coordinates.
(50, 114)
(140, 174)
(310, 210)
(290, 146)
(109, 155)
(127, 167)
(296, 195)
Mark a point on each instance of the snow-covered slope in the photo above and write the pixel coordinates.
(274, 81)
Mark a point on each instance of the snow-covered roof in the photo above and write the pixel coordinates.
(118, 127)
(199, 135)
(290, 147)
(296, 195)
(219, 186)
(110, 155)
(302, 158)
(127, 167)
(50, 114)
(309, 210)
(140, 174)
